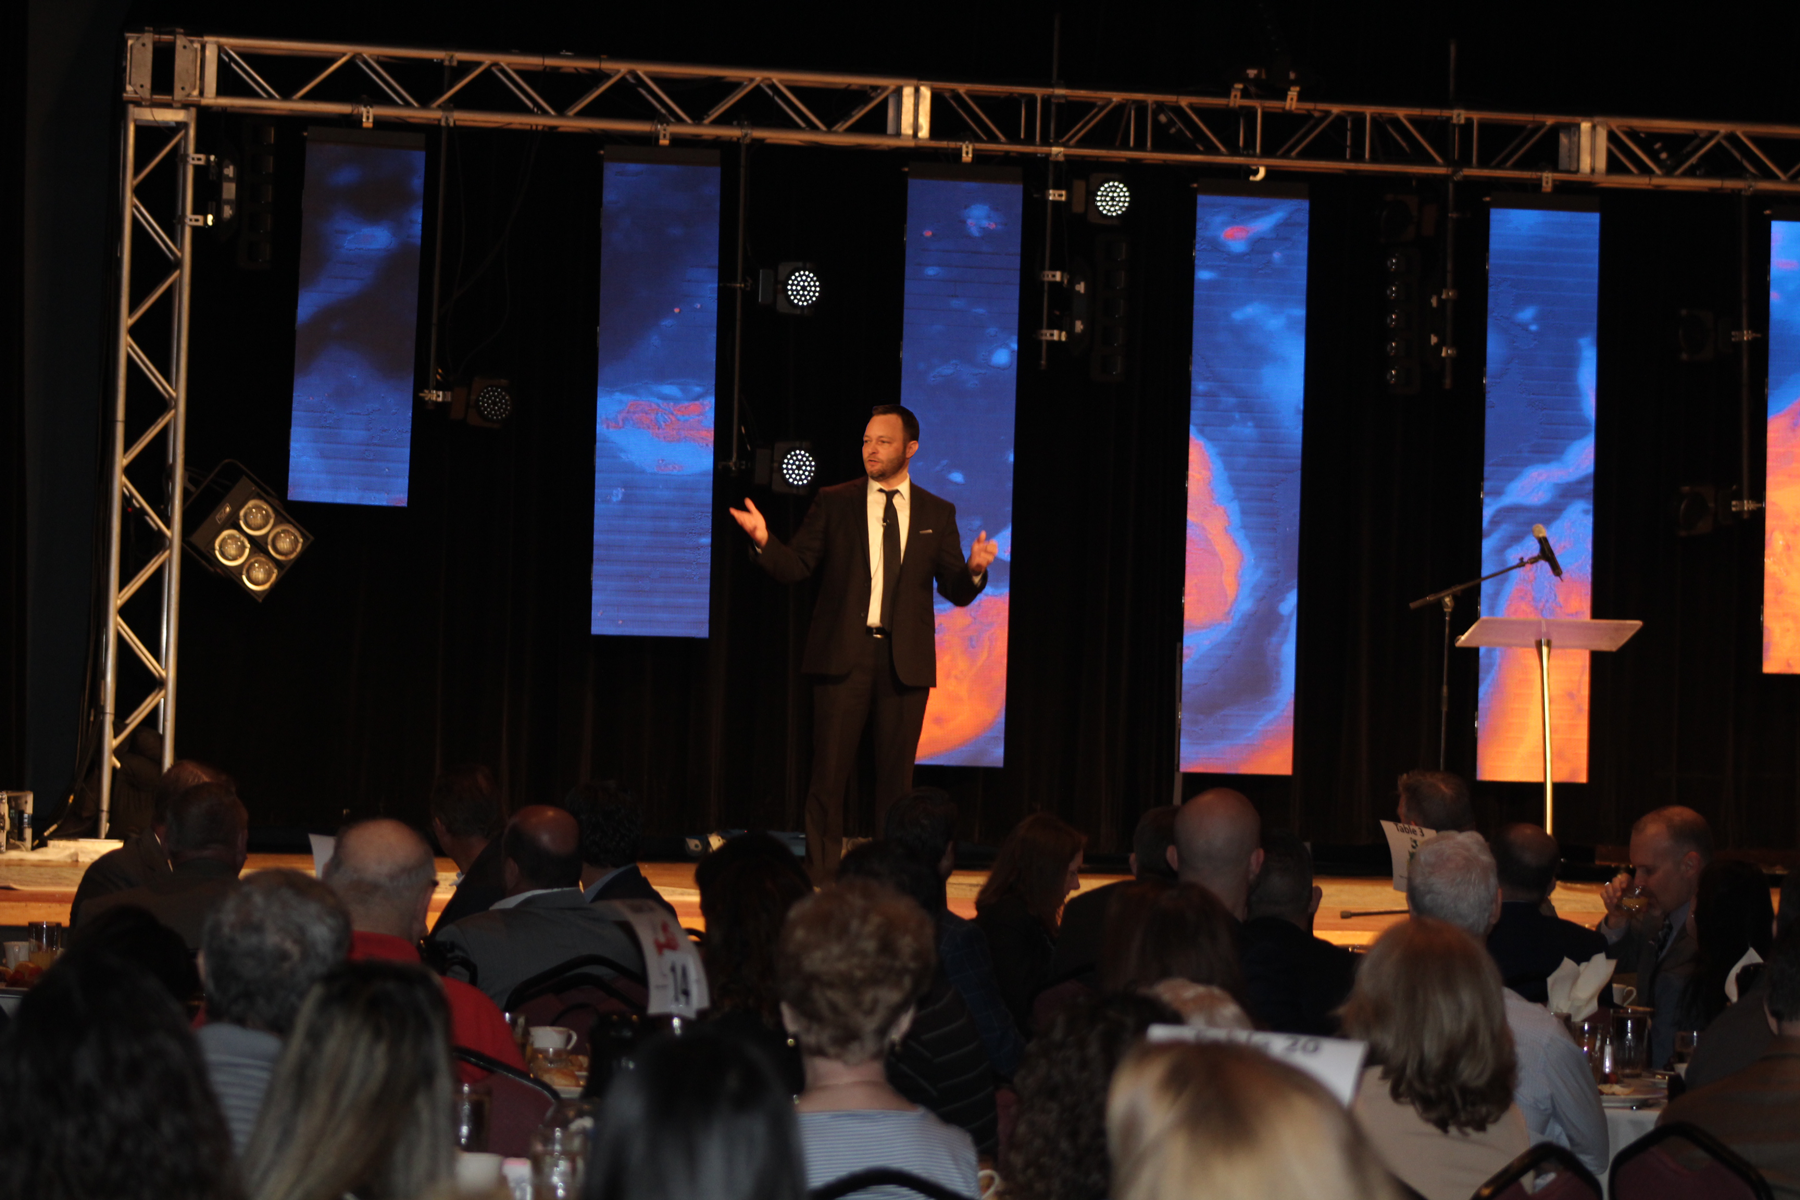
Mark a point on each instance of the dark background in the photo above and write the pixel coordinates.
(456, 630)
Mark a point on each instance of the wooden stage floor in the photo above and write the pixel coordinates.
(34, 890)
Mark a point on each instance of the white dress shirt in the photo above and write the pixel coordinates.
(878, 509)
(1556, 1091)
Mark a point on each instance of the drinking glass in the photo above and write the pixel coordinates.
(1592, 1034)
(46, 941)
(472, 1102)
(1635, 899)
(558, 1160)
(1631, 1042)
(1685, 1042)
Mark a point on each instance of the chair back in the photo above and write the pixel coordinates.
(885, 1178)
(518, 1103)
(576, 992)
(1681, 1161)
(1517, 1179)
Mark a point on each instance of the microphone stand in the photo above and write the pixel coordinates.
(1447, 598)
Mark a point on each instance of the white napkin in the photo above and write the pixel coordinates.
(1731, 988)
(1576, 990)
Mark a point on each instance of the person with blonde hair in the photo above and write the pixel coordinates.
(1436, 1099)
(1227, 1122)
(360, 1101)
(853, 961)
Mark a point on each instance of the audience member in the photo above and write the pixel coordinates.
(1739, 1035)
(208, 836)
(1294, 982)
(1453, 879)
(103, 1093)
(1058, 1145)
(922, 824)
(1020, 905)
(1436, 1098)
(467, 813)
(1669, 848)
(701, 1116)
(940, 1063)
(1159, 937)
(1732, 915)
(1218, 845)
(746, 888)
(263, 948)
(1228, 1122)
(543, 920)
(132, 934)
(1527, 942)
(854, 958)
(611, 825)
(360, 1102)
(145, 853)
(384, 874)
(1436, 800)
(1756, 1111)
(1083, 928)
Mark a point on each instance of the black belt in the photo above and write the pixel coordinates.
(876, 631)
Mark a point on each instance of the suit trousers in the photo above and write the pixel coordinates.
(842, 706)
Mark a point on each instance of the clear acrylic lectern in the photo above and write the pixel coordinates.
(1524, 633)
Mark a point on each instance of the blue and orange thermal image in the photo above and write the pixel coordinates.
(653, 444)
(959, 374)
(1543, 306)
(1781, 536)
(351, 437)
(1240, 600)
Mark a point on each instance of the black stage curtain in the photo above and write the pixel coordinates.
(455, 630)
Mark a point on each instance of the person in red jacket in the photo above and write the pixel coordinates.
(384, 873)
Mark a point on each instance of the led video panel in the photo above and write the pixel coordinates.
(1247, 393)
(1543, 305)
(653, 444)
(1781, 534)
(351, 436)
(959, 373)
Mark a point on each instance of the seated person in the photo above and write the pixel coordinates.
(611, 824)
(1738, 1036)
(137, 937)
(1436, 1098)
(1527, 943)
(543, 920)
(384, 874)
(1020, 905)
(1293, 980)
(467, 812)
(922, 824)
(1756, 1111)
(940, 1063)
(1732, 915)
(208, 837)
(854, 959)
(1082, 932)
(263, 948)
(1162, 940)
(145, 853)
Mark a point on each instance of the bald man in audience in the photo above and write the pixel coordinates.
(208, 840)
(1218, 845)
(384, 873)
(544, 920)
(1528, 943)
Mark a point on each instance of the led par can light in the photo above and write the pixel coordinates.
(248, 537)
(795, 469)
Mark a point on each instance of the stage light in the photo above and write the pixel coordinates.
(247, 536)
(259, 573)
(232, 548)
(1112, 198)
(256, 516)
(796, 471)
(285, 542)
(792, 287)
(490, 403)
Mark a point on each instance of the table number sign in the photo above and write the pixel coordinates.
(1336, 1063)
(671, 966)
(1403, 842)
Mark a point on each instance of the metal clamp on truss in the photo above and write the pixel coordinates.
(662, 133)
(1052, 335)
(367, 114)
(1050, 277)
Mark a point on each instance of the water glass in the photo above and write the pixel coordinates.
(1631, 1042)
(472, 1104)
(558, 1161)
(1685, 1042)
(1593, 1034)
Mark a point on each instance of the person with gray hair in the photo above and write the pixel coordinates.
(262, 949)
(1453, 878)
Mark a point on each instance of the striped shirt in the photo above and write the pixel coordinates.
(837, 1144)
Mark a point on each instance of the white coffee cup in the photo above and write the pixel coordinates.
(552, 1037)
(1623, 994)
(16, 953)
(477, 1172)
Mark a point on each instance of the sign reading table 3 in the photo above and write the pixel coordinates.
(1403, 842)
(1335, 1062)
(672, 970)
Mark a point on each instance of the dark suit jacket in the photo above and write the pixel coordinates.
(833, 541)
(134, 864)
(1660, 980)
(1293, 980)
(1081, 934)
(629, 884)
(501, 948)
(482, 884)
(1527, 946)
(1756, 1112)
(1022, 951)
(180, 899)
(1734, 1040)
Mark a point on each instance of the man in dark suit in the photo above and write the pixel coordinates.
(1295, 981)
(611, 824)
(878, 545)
(1738, 1036)
(1669, 849)
(1526, 943)
(209, 833)
(145, 854)
(543, 920)
(1083, 926)
(467, 811)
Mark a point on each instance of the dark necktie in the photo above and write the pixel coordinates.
(890, 557)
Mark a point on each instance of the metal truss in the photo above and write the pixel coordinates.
(1237, 131)
(147, 463)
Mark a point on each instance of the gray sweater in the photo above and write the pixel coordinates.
(239, 1063)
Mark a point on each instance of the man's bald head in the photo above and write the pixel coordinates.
(543, 850)
(384, 873)
(1527, 858)
(1218, 845)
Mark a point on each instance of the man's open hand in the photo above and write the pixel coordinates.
(752, 523)
(982, 554)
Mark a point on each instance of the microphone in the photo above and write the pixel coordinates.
(1544, 550)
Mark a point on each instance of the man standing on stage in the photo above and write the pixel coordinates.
(878, 543)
